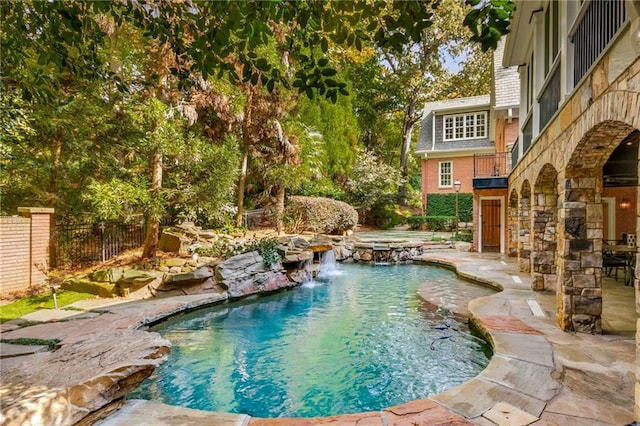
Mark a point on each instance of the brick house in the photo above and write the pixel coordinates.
(574, 178)
(466, 140)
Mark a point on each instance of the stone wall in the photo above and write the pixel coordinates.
(577, 142)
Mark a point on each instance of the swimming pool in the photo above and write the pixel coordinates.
(359, 340)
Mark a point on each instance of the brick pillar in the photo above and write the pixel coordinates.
(40, 238)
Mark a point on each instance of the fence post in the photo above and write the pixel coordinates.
(102, 242)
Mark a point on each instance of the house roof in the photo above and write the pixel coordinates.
(521, 27)
(450, 106)
(506, 81)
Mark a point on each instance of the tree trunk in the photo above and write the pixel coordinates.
(240, 190)
(55, 166)
(410, 120)
(280, 192)
(153, 222)
(246, 142)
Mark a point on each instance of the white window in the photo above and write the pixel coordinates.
(465, 126)
(444, 174)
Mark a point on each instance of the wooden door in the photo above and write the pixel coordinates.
(490, 225)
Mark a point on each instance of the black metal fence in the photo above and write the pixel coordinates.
(84, 243)
(491, 165)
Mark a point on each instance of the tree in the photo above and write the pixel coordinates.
(213, 38)
(371, 183)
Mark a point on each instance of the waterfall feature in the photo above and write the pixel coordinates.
(328, 265)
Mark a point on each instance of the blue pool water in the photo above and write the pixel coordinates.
(359, 340)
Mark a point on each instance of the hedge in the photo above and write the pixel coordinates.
(318, 214)
(445, 205)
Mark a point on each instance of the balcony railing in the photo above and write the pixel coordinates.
(600, 22)
(527, 134)
(550, 97)
(491, 165)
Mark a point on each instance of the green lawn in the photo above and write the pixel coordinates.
(33, 303)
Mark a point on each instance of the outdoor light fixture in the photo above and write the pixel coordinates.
(457, 185)
(54, 288)
(625, 203)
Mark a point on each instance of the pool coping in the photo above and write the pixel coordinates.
(517, 387)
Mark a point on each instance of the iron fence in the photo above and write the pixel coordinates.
(84, 243)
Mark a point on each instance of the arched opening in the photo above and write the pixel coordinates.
(545, 223)
(524, 229)
(619, 217)
(581, 228)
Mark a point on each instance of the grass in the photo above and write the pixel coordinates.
(51, 343)
(30, 304)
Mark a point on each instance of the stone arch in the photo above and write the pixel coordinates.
(512, 238)
(580, 230)
(524, 228)
(544, 229)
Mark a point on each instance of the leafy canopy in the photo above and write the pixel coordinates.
(46, 42)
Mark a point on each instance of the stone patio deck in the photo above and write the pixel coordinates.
(538, 374)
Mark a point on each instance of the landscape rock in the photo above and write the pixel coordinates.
(173, 243)
(108, 275)
(199, 275)
(85, 285)
(56, 389)
(135, 278)
(246, 274)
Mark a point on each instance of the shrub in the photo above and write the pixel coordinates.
(417, 222)
(267, 247)
(322, 215)
(441, 223)
(465, 235)
(445, 205)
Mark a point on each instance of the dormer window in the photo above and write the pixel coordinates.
(465, 126)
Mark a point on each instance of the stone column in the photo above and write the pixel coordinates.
(580, 249)
(512, 227)
(524, 236)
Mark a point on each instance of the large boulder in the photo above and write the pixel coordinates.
(173, 242)
(65, 386)
(86, 285)
(247, 274)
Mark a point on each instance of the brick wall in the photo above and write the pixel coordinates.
(15, 239)
(24, 248)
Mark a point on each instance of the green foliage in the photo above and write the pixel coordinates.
(417, 222)
(267, 247)
(440, 223)
(45, 43)
(372, 183)
(31, 341)
(445, 205)
(387, 216)
(465, 235)
(117, 199)
(322, 215)
(488, 20)
(323, 187)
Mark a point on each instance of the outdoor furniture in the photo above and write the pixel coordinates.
(611, 262)
(619, 256)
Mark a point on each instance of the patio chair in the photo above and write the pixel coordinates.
(611, 262)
